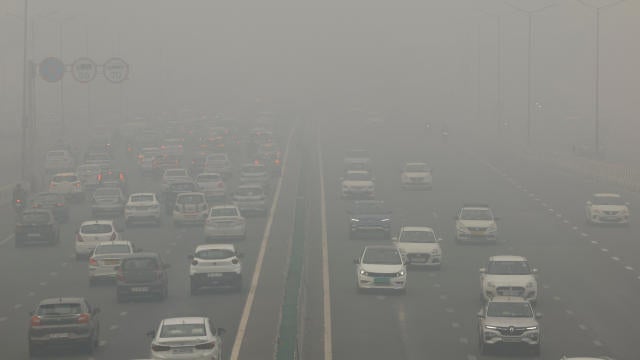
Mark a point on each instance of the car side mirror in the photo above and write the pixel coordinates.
(538, 315)
(480, 315)
(151, 333)
(483, 270)
(394, 239)
(221, 331)
(535, 271)
(356, 261)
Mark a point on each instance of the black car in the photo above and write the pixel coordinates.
(64, 321)
(37, 226)
(54, 202)
(113, 178)
(142, 275)
(369, 216)
(174, 189)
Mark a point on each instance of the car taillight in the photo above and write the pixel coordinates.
(119, 275)
(99, 177)
(160, 348)
(220, 184)
(79, 238)
(59, 204)
(77, 185)
(35, 320)
(93, 262)
(121, 177)
(206, 346)
(162, 147)
(84, 318)
(18, 201)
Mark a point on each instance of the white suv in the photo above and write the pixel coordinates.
(215, 265)
(476, 223)
(142, 207)
(607, 209)
(67, 184)
(416, 175)
(381, 267)
(225, 222)
(508, 275)
(358, 183)
(420, 246)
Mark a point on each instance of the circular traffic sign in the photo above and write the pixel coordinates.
(116, 70)
(84, 69)
(51, 69)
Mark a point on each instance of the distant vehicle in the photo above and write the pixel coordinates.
(37, 226)
(164, 162)
(93, 232)
(142, 274)
(381, 267)
(64, 321)
(369, 216)
(187, 338)
(197, 163)
(358, 184)
(190, 207)
(254, 174)
(172, 147)
(174, 175)
(114, 178)
(416, 175)
(54, 202)
(88, 175)
(508, 275)
(58, 161)
(105, 257)
(250, 199)
(225, 222)
(142, 207)
(212, 185)
(107, 202)
(67, 184)
(174, 190)
(420, 246)
(476, 222)
(218, 163)
(215, 265)
(357, 157)
(605, 208)
(508, 321)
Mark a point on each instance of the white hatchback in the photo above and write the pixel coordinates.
(92, 233)
(212, 185)
(187, 338)
(106, 257)
(215, 265)
(190, 207)
(67, 184)
(420, 246)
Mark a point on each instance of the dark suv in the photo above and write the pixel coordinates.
(369, 216)
(37, 226)
(64, 321)
(142, 275)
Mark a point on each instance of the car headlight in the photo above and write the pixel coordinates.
(492, 228)
(490, 284)
(363, 273)
(385, 220)
(355, 220)
(532, 328)
(491, 327)
(530, 284)
(462, 228)
(401, 273)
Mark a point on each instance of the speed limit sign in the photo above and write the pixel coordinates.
(84, 70)
(115, 70)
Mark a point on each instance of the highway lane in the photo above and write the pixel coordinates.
(52, 271)
(438, 314)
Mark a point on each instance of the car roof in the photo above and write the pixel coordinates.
(381, 247)
(61, 300)
(606, 195)
(89, 222)
(416, 228)
(358, 172)
(142, 255)
(512, 299)
(475, 206)
(215, 247)
(184, 320)
(507, 258)
(250, 186)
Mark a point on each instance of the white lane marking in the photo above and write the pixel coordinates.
(584, 234)
(3, 319)
(113, 327)
(463, 340)
(574, 228)
(124, 313)
(615, 258)
(569, 312)
(326, 289)
(244, 319)
(597, 343)
(594, 242)
(544, 204)
(17, 306)
(565, 221)
(604, 250)
(582, 327)
(629, 268)
(7, 239)
(455, 325)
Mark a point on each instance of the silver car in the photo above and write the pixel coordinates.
(225, 222)
(105, 258)
(250, 198)
(212, 185)
(107, 201)
(254, 174)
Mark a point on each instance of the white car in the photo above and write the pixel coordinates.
(142, 207)
(105, 257)
(225, 222)
(172, 147)
(92, 233)
(508, 275)
(254, 174)
(357, 158)
(358, 183)
(58, 160)
(606, 208)
(416, 175)
(476, 223)
(586, 358)
(250, 198)
(67, 184)
(215, 265)
(187, 338)
(174, 175)
(88, 174)
(190, 207)
(218, 163)
(212, 185)
(381, 267)
(420, 246)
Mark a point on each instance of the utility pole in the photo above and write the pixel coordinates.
(25, 115)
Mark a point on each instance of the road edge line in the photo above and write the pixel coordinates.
(326, 291)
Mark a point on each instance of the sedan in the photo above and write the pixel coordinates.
(381, 267)
(225, 222)
(187, 338)
(105, 258)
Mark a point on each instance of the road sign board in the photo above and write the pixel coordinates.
(84, 69)
(116, 70)
(51, 69)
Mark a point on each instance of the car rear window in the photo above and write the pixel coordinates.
(96, 229)
(214, 254)
(140, 264)
(67, 178)
(249, 192)
(182, 330)
(208, 178)
(60, 309)
(224, 212)
(35, 217)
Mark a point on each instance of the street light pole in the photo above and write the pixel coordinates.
(62, 114)
(25, 115)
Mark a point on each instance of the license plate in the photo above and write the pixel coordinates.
(33, 235)
(59, 335)
(214, 275)
(381, 281)
(112, 262)
(139, 289)
(477, 233)
(511, 293)
(182, 350)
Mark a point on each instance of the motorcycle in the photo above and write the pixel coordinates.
(18, 206)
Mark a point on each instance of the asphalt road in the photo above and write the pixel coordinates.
(589, 276)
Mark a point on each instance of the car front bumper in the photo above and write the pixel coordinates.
(390, 283)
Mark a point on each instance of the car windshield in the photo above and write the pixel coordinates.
(175, 173)
(509, 309)
(508, 268)
(112, 249)
(35, 217)
(253, 191)
(358, 176)
(208, 178)
(215, 254)
(96, 229)
(106, 192)
(374, 207)
(382, 256)
(417, 236)
(476, 214)
(253, 169)
(182, 330)
(607, 200)
(65, 178)
(59, 309)
(142, 198)
(190, 199)
(227, 211)
(416, 168)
